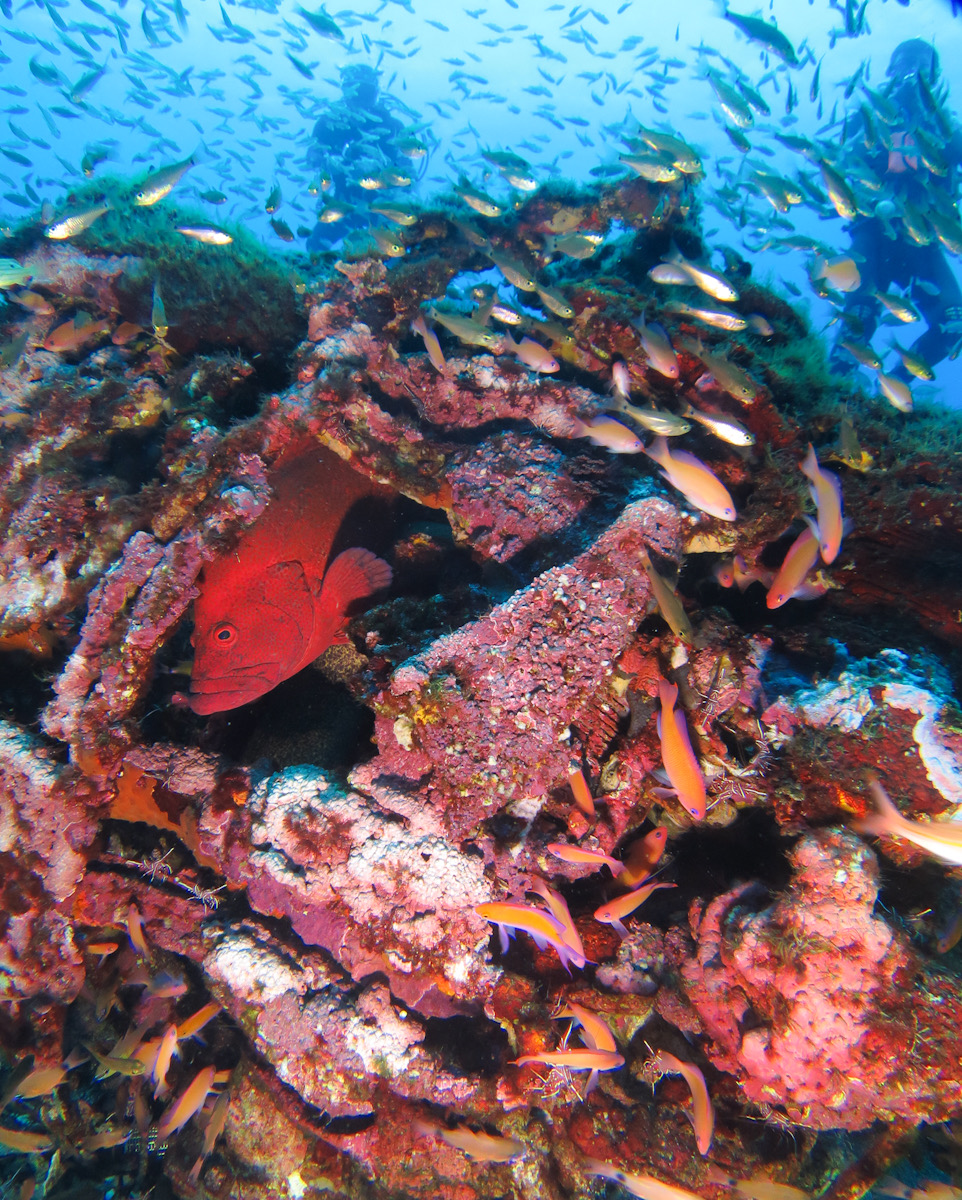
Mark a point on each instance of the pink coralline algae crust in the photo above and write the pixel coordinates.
(105, 675)
(479, 389)
(485, 712)
(511, 490)
(370, 875)
(36, 583)
(130, 613)
(44, 831)
(814, 1003)
(78, 277)
(330, 1039)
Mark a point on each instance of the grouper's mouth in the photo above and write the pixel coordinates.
(213, 694)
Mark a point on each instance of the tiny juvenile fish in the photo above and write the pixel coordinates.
(158, 317)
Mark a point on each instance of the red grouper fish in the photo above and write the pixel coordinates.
(277, 600)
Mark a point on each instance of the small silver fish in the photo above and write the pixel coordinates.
(162, 182)
(75, 223)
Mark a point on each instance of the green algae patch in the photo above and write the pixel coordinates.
(238, 295)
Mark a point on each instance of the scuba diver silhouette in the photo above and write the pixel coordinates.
(357, 137)
(918, 159)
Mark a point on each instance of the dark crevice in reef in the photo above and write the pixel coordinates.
(306, 719)
(467, 1046)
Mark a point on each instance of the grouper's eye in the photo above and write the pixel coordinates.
(225, 633)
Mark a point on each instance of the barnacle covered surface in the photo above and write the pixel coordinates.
(325, 895)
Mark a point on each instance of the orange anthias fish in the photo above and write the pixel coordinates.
(71, 335)
(190, 1101)
(801, 557)
(613, 912)
(827, 493)
(679, 759)
(482, 1147)
(281, 597)
(648, 1187)
(703, 1115)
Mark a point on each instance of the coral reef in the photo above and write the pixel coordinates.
(814, 1004)
(297, 914)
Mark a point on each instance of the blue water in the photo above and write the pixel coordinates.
(555, 83)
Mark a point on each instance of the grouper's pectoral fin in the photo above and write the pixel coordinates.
(352, 576)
